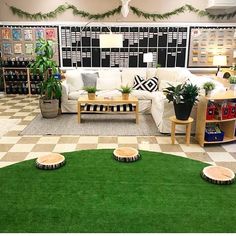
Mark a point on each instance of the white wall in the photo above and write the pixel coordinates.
(100, 6)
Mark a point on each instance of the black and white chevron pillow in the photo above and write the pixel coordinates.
(150, 85)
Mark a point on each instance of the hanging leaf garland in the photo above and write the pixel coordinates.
(136, 11)
(39, 16)
(178, 11)
(107, 14)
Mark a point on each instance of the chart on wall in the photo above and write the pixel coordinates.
(18, 42)
(206, 42)
(80, 46)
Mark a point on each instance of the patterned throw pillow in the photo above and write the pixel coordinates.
(150, 85)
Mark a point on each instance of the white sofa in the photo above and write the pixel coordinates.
(110, 80)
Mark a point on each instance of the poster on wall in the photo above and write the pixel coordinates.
(50, 34)
(16, 34)
(6, 33)
(18, 48)
(28, 35)
(29, 48)
(6, 48)
(39, 33)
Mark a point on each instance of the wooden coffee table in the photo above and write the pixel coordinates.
(108, 104)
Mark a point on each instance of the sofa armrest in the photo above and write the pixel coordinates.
(65, 91)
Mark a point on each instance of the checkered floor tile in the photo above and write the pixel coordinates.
(15, 148)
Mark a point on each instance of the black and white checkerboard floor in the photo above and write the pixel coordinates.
(22, 109)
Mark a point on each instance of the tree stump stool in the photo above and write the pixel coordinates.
(50, 162)
(218, 175)
(126, 154)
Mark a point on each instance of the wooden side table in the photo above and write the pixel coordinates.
(175, 122)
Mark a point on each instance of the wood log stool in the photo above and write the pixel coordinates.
(126, 154)
(175, 122)
(218, 175)
(50, 162)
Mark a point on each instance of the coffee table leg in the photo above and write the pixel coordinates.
(136, 113)
(79, 112)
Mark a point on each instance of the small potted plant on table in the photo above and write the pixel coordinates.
(125, 90)
(208, 86)
(183, 96)
(91, 92)
(232, 81)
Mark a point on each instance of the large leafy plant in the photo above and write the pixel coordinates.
(44, 65)
(182, 93)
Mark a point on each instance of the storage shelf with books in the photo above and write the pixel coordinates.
(19, 80)
(216, 118)
(16, 80)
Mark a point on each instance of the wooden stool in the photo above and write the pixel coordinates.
(175, 122)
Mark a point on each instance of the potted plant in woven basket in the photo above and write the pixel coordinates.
(91, 92)
(183, 96)
(50, 87)
(208, 86)
(125, 90)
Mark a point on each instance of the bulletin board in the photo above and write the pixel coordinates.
(80, 46)
(205, 42)
(19, 42)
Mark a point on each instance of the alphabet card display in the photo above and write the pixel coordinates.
(206, 42)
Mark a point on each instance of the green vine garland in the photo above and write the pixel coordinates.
(153, 16)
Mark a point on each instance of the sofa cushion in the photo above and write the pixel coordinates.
(74, 80)
(90, 79)
(109, 79)
(128, 75)
(173, 74)
(150, 85)
(76, 94)
(166, 83)
(143, 95)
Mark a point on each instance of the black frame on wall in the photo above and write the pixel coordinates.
(168, 45)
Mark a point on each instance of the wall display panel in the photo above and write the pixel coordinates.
(18, 42)
(80, 46)
(205, 42)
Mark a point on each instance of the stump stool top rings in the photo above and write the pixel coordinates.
(50, 162)
(218, 175)
(126, 154)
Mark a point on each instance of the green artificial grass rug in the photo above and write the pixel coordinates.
(95, 193)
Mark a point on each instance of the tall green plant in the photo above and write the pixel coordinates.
(44, 65)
